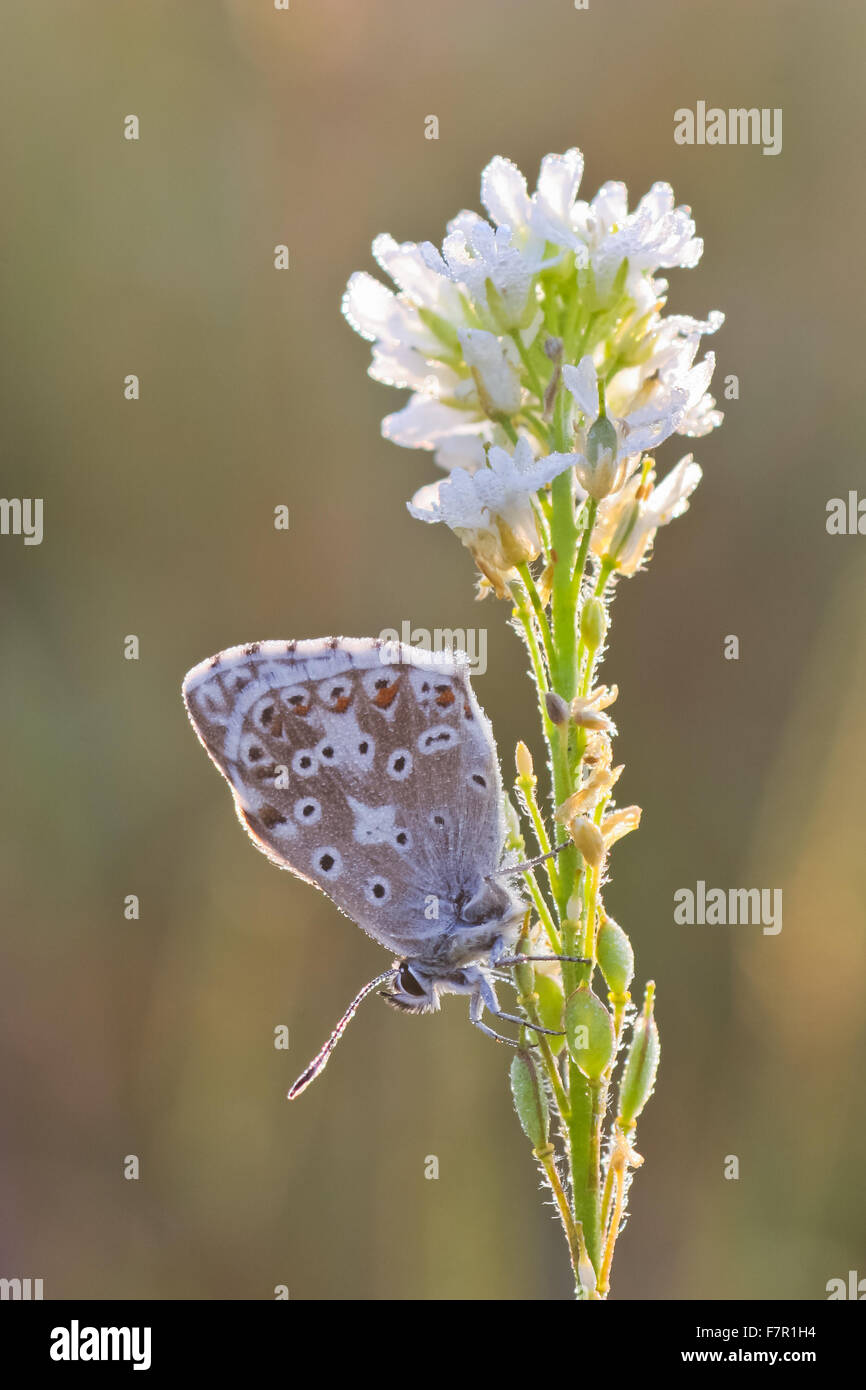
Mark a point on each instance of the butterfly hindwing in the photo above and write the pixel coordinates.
(364, 768)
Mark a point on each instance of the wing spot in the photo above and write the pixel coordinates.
(400, 764)
(308, 811)
(377, 890)
(328, 861)
(479, 780)
(386, 693)
(435, 739)
(270, 816)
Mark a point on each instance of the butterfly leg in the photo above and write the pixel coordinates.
(519, 960)
(478, 1002)
(484, 997)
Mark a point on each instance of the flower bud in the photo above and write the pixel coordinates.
(599, 472)
(557, 708)
(593, 624)
(530, 1099)
(589, 1030)
(523, 762)
(615, 957)
(641, 1066)
(588, 839)
(600, 440)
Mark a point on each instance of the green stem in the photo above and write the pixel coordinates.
(538, 609)
(534, 378)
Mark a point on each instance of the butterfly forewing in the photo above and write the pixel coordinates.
(362, 767)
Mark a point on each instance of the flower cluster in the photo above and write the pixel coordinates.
(544, 376)
(534, 345)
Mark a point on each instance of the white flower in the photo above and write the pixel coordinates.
(491, 509)
(627, 522)
(495, 367)
(464, 451)
(602, 233)
(425, 422)
(673, 344)
(549, 214)
(477, 257)
(610, 446)
(463, 330)
(657, 234)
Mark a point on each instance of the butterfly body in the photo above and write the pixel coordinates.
(368, 769)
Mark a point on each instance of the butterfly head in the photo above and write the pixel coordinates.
(412, 988)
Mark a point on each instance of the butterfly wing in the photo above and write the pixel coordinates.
(363, 767)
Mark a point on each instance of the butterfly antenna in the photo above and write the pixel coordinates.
(320, 1061)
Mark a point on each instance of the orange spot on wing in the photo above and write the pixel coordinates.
(340, 706)
(384, 698)
(446, 698)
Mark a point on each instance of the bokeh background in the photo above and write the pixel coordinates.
(155, 1037)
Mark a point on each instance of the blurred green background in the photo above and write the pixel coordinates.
(156, 258)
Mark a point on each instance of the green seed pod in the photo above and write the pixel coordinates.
(601, 440)
(615, 956)
(593, 623)
(530, 1099)
(589, 1029)
(641, 1066)
(550, 1002)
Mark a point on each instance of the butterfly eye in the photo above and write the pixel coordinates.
(409, 985)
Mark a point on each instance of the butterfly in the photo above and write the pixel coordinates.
(368, 768)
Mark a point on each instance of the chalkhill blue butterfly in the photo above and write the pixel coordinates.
(369, 769)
